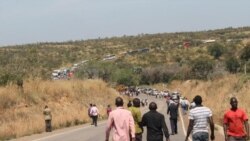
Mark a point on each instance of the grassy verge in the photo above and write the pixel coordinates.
(217, 93)
(21, 109)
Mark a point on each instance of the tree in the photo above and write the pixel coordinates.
(232, 65)
(216, 50)
(201, 68)
(125, 77)
(245, 55)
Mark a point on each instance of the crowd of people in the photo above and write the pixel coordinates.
(235, 121)
(127, 123)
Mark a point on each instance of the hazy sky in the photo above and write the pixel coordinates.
(31, 21)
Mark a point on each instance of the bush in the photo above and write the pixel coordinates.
(216, 50)
(201, 68)
(245, 55)
(232, 65)
(150, 76)
(125, 77)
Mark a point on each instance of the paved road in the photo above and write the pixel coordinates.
(88, 132)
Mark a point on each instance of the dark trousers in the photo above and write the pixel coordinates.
(48, 127)
(231, 138)
(138, 136)
(92, 118)
(173, 123)
(95, 120)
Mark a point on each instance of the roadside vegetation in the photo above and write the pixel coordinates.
(214, 64)
(22, 109)
(216, 93)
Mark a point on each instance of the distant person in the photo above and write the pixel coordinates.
(142, 102)
(168, 98)
(94, 112)
(192, 105)
(136, 113)
(129, 103)
(155, 123)
(184, 105)
(122, 122)
(173, 111)
(146, 102)
(176, 97)
(199, 118)
(90, 106)
(48, 118)
(236, 127)
(109, 109)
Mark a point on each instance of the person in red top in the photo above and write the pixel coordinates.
(234, 119)
(109, 109)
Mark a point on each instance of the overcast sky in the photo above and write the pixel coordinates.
(31, 21)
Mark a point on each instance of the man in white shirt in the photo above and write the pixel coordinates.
(94, 112)
(199, 119)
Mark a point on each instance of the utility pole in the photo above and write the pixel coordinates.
(245, 68)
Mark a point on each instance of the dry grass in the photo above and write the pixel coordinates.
(21, 110)
(216, 93)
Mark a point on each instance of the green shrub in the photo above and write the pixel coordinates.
(125, 77)
(232, 65)
(216, 50)
(201, 68)
(245, 55)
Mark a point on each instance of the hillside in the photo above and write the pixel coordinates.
(176, 52)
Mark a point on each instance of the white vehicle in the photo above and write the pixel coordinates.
(56, 73)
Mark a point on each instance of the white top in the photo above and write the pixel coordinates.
(200, 116)
(94, 111)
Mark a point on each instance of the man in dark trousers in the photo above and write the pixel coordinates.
(94, 112)
(173, 111)
(155, 123)
(236, 127)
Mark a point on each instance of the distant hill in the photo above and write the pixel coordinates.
(173, 54)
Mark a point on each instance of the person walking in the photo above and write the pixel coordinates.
(48, 118)
(94, 112)
(109, 109)
(199, 118)
(155, 123)
(121, 120)
(236, 127)
(90, 106)
(173, 111)
(136, 113)
(192, 105)
(184, 105)
(129, 104)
